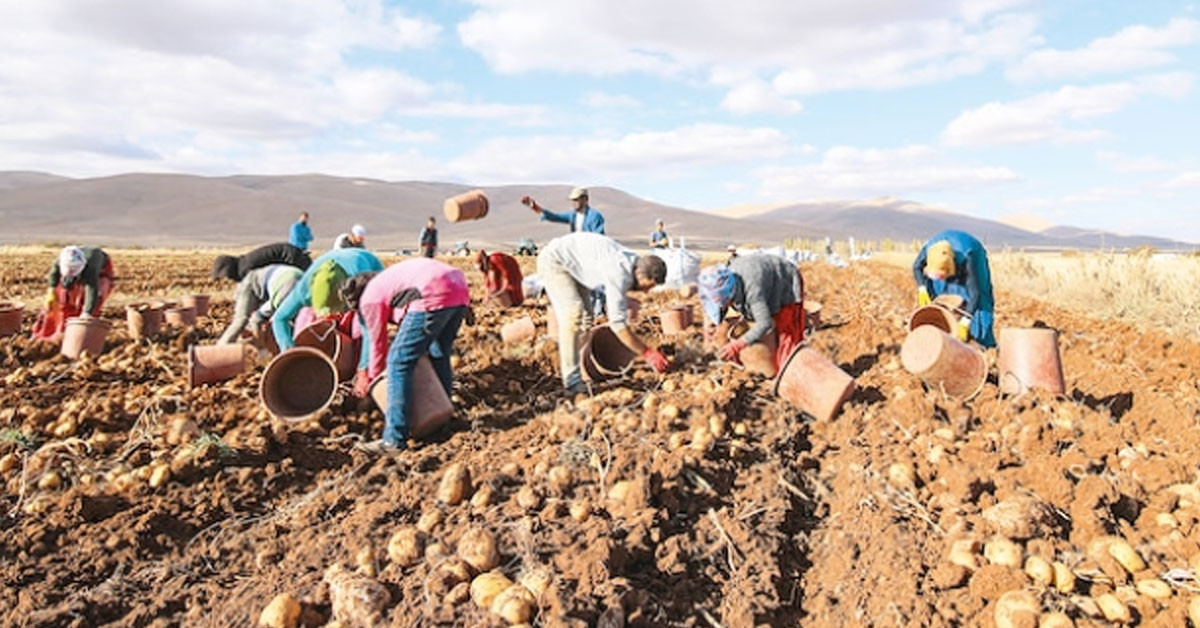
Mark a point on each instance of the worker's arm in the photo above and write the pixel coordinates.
(374, 341)
(599, 226)
(550, 216)
(243, 304)
(631, 341)
(91, 283)
(284, 320)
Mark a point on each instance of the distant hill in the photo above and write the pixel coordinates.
(245, 210)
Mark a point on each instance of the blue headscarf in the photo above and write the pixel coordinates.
(716, 291)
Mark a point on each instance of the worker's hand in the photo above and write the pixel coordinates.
(656, 359)
(732, 350)
(531, 204)
(51, 299)
(964, 328)
(923, 297)
(362, 383)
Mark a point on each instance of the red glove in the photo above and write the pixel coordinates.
(656, 359)
(732, 349)
(362, 384)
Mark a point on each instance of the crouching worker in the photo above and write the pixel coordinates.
(236, 267)
(258, 294)
(954, 262)
(318, 288)
(428, 299)
(80, 281)
(571, 267)
(767, 290)
(502, 277)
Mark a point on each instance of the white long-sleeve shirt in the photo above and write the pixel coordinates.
(596, 261)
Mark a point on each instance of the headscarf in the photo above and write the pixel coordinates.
(480, 259)
(940, 258)
(71, 262)
(716, 291)
(325, 282)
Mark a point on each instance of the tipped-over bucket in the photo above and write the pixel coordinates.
(811, 382)
(10, 317)
(471, 205)
(143, 320)
(324, 336)
(943, 362)
(197, 301)
(84, 334)
(216, 363)
(1029, 359)
(674, 320)
(430, 409)
(299, 382)
(181, 316)
(604, 355)
(934, 315)
(520, 330)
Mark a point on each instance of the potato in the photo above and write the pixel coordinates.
(9, 462)
(1166, 520)
(669, 412)
(483, 497)
(702, 439)
(365, 559)
(1001, 551)
(962, 553)
(1113, 608)
(160, 474)
(901, 475)
(434, 551)
(1039, 570)
(430, 520)
(536, 580)
(580, 510)
(455, 485)
(50, 481)
(740, 428)
(477, 548)
(282, 612)
(456, 569)
(486, 587)
(1016, 609)
(1153, 588)
(515, 604)
(676, 440)
(458, 594)
(1124, 553)
(716, 425)
(528, 498)
(1056, 620)
(1064, 578)
(405, 547)
(559, 478)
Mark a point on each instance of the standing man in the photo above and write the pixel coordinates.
(318, 288)
(572, 267)
(501, 277)
(353, 239)
(80, 281)
(300, 235)
(658, 237)
(583, 219)
(954, 262)
(766, 290)
(429, 239)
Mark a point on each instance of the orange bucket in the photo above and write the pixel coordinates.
(84, 334)
(674, 320)
(603, 355)
(520, 330)
(431, 408)
(208, 364)
(471, 205)
(10, 317)
(943, 362)
(1029, 359)
(324, 336)
(813, 383)
(298, 383)
(182, 316)
(143, 320)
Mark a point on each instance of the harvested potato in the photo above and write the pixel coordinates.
(580, 510)
(405, 547)
(1064, 578)
(1001, 551)
(1056, 620)
(455, 485)
(515, 604)
(901, 475)
(1039, 570)
(536, 580)
(486, 587)
(430, 520)
(483, 497)
(1193, 610)
(559, 478)
(50, 481)
(1153, 588)
(160, 474)
(477, 548)
(1113, 608)
(1016, 609)
(1123, 553)
(282, 612)
(962, 553)
(9, 462)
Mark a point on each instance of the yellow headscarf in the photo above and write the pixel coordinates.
(940, 257)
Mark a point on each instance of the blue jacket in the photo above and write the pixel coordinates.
(593, 221)
(300, 235)
(972, 280)
(353, 261)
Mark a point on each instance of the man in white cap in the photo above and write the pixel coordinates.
(584, 219)
(79, 283)
(352, 240)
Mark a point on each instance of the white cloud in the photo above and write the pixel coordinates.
(759, 97)
(811, 46)
(605, 100)
(1118, 162)
(1041, 117)
(1185, 180)
(1131, 48)
(849, 172)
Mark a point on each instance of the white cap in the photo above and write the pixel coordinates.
(359, 231)
(577, 193)
(71, 261)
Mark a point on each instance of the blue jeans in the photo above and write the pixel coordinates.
(419, 333)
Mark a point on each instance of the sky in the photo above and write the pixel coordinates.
(1075, 112)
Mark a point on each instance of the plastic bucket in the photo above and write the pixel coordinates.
(197, 301)
(811, 382)
(1029, 359)
(943, 362)
(299, 382)
(934, 315)
(143, 320)
(325, 337)
(10, 317)
(674, 320)
(471, 205)
(520, 330)
(603, 355)
(84, 334)
(181, 316)
(431, 408)
(216, 363)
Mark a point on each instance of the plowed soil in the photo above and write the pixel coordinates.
(691, 499)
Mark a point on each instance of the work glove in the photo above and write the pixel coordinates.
(655, 359)
(51, 299)
(923, 297)
(964, 328)
(362, 383)
(732, 350)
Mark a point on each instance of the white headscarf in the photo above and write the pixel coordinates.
(71, 262)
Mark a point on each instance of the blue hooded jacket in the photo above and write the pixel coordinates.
(353, 261)
(972, 280)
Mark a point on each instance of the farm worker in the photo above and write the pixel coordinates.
(954, 262)
(300, 235)
(257, 296)
(428, 299)
(428, 239)
(318, 287)
(80, 281)
(658, 237)
(237, 267)
(352, 239)
(583, 219)
(766, 290)
(572, 267)
(501, 275)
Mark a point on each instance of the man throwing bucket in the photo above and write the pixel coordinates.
(954, 262)
(573, 266)
(501, 275)
(582, 219)
(766, 290)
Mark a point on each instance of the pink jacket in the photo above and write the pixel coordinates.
(416, 285)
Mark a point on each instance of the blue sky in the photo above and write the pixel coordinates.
(1072, 112)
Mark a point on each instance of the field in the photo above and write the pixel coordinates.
(689, 500)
